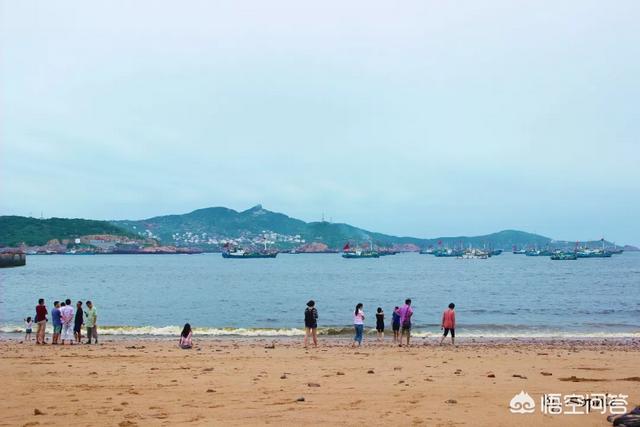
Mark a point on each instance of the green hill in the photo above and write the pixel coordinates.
(15, 230)
(219, 222)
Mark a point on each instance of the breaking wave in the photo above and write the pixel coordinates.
(467, 331)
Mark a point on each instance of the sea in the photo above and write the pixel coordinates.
(506, 296)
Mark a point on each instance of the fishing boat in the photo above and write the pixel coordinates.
(495, 252)
(474, 254)
(349, 252)
(594, 253)
(242, 254)
(538, 252)
(448, 253)
(517, 251)
(237, 253)
(564, 256)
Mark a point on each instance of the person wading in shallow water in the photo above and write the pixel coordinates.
(449, 323)
(311, 323)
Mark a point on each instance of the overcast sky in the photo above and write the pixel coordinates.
(421, 118)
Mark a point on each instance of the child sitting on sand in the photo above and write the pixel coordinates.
(185, 337)
(28, 326)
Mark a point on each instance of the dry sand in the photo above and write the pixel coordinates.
(226, 382)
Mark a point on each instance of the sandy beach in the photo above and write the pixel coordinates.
(247, 382)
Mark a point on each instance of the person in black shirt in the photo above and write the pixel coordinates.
(380, 324)
(77, 322)
(311, 323)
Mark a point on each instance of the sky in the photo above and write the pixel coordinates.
(422, 118)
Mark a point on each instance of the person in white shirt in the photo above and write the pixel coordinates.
(67, 315)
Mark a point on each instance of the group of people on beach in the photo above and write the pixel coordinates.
(400, 323)
(67, 322)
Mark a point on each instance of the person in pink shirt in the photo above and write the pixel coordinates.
(449, 323)
(405, 313)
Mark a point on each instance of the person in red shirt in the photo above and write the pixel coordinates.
(41, 320)
(449, 323)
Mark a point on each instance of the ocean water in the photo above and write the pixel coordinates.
(504, 296)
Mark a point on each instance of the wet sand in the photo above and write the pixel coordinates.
(130, 382)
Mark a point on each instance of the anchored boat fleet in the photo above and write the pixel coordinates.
(369, 250)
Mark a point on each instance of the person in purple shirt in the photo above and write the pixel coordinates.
(405, 320)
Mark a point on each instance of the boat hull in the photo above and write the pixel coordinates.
(248, 255)
(351, 256)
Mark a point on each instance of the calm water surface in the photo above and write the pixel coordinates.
(508, 295)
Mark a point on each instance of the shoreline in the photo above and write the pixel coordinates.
(346, 340)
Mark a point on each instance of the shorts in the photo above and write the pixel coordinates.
(311, 326)
(406, 327)
(453, 332)
(77, 328)
(395, 327)
(28, 331)
(57, 329)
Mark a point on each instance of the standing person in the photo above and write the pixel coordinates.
(68, 316)
(185, 337)
(77, 322)
(358, 324)
(91, 322)
(311, 323)
(28, 328)
(41, 321)
(405, 320)
(380, 324)
(57, 322)
(395, 324)
(449, 323)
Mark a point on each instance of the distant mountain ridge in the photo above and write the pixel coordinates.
(208, 228)
(219, 222)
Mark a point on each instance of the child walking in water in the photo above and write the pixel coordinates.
(358, 324)
(449, 324)
(185, 337)
(28, 327)
(311, 323)
(395, 325)
(380, 324)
